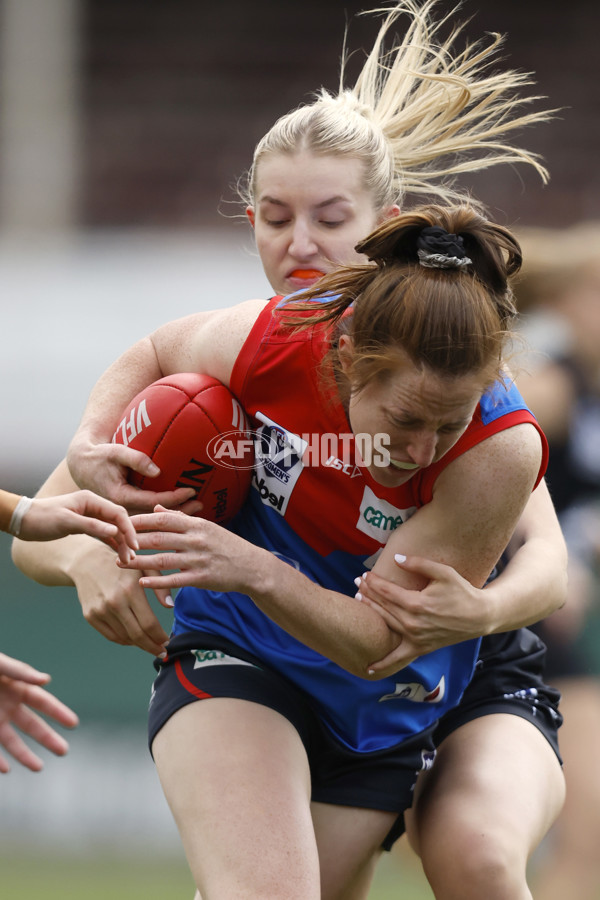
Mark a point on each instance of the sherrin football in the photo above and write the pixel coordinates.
(183, 423)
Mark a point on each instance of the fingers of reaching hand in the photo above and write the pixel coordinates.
(37, 728)
(123, 543)
(161, 519)
(137, 500)
(137, 627)
(123, 550)
(116, 521)
(15, 668)
(169, 580)
(18, 700)
(18, 749)
(160, 561)
(164, 531)
(191, 507)
(45, 702)
(163, 595)
(119, 609)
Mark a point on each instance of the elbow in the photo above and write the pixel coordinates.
(365, 672)
(561, 581)
(24, 557)
(365, 656)
(562, 592)
(19, 555)
(360, 669)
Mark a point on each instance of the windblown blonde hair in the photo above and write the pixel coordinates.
(417, 116)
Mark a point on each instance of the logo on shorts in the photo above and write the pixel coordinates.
(427, 759)
(217, 658)
(524, 694)
(418, 693)
(531, 695)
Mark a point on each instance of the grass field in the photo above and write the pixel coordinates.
(99, 878)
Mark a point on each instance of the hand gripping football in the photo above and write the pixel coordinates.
(183, 423)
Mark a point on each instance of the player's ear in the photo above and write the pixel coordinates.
(346, 352)
(390, 212)
(251, 215)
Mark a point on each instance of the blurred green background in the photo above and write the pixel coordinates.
(45, 626)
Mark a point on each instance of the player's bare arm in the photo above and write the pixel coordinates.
(207, 342)
(465, 529)
(117, 607)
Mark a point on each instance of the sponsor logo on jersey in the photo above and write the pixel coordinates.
(217, 658)
(275, 499)
(278, 464)
(418, 693)
(378, 518)
(346, 468)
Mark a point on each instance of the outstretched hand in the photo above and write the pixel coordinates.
(80, 512)
(446, 611)
(21, 692)
(113, 602)
(105, 468)
(203, 553)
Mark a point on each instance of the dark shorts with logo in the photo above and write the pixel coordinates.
(509, 679)
(382, 780)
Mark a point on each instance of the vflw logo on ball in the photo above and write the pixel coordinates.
(132, 425)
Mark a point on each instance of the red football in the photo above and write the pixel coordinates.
(181, 422)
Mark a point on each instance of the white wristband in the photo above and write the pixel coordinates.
(16, 519)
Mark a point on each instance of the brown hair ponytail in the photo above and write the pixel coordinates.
(455, 320)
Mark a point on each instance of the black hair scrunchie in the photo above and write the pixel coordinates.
(435, 239)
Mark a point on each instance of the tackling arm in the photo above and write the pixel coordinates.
(207, 343)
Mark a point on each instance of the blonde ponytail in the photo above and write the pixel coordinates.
(419, 115)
